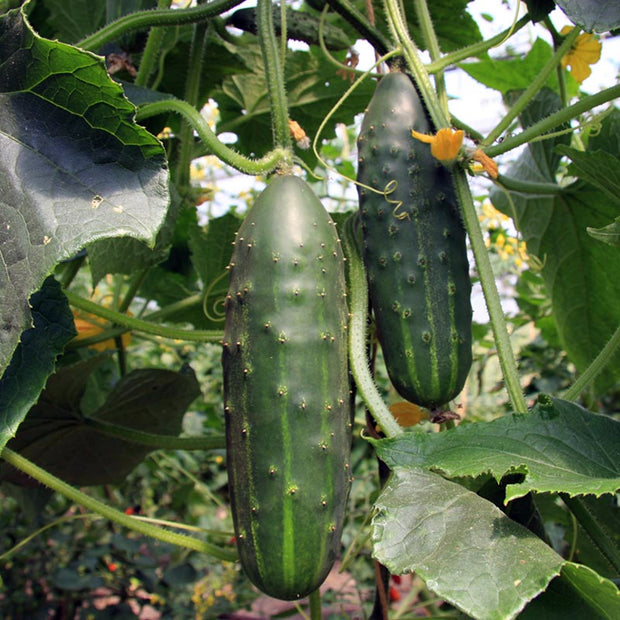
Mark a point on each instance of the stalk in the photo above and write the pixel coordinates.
(140, 325)
(538, 130)
(141, 20)
(151, 50)
(157, 441)
(274, 74)
(529, 93)
(229, 156)
(357, 337)
(491, 294)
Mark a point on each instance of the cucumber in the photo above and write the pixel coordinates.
(414, 249)
(286, 390)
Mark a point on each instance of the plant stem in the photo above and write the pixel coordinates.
(160, 442)
(529, 93)
(314, 600)
(158, 17)
(191, 95)
(597, 365)
(151, 50)
(400, 34)
(357, 336)
(142, 527)
(537, 130)
(428, 32)
(274, 74)
(139, 324)
(475, 49)
(528, 187)
(229, 156)
(491, 294)
(602, 539)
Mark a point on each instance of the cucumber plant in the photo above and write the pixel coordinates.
(414, 248)
(286, 390)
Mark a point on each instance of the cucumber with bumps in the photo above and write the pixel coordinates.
(286, 390)
(414, 249)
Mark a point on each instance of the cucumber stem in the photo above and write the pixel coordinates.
(357, 337)
(154, 17)
(142, 527)
(141, 325)
(491, 294)
(229, 156)
(274, 74)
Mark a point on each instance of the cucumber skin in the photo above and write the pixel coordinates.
(286, 390)
(417, 268)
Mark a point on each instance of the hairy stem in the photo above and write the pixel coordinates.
(151, 50)
(140, 526)
(597, 365)
(491, 294)
(154, 440)
(140, 325)
(229, 156)
(141, 20)
(545, 125)
(357, 337)
(529, 93)
(274, 74)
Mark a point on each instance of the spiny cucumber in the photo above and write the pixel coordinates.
(286, 390)
(414, 249)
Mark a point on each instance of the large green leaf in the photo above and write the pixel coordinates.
(56, 435)
(466, 550)
(35, 356)
(580, 273)
(558, 446)
(74, 167)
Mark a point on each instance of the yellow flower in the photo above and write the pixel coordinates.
(585, 52)
(445, 144)
(88, 325)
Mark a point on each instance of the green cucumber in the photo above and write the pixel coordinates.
(286, 390)
(414, 249)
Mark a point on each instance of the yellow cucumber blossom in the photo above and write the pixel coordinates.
(445, 144)
(585, 52)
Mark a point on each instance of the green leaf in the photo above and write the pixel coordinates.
(515, 74)
(35, 357)
(609, 234)
(466, 550)
(600, 168)
(599, 15)
(74, 167)
(579, 594)
(579, 272)
(558, 446)
(56, 436)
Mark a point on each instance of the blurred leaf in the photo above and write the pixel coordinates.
(598, 15)
(74, 167)
(466, 550)
(600, 168)
(56, 436)
(579, 272)
(539, 9)
(558, 446)
(35, 357)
